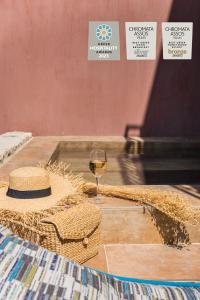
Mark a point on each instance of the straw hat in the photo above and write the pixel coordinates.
(33, 188)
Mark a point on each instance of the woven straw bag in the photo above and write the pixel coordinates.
(73, 232)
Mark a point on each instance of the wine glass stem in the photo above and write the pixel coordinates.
(97, 181)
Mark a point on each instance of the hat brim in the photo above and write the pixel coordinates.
(60, 187)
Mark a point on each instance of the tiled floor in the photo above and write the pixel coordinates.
(154, 261)
(131, 243)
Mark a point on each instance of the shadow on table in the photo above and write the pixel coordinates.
(173, 233)
(192, 190)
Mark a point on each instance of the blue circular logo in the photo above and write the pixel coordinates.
(104, 32)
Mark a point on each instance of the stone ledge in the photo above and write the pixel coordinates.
(11, 141)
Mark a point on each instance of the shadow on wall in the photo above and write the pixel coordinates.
(174, 104)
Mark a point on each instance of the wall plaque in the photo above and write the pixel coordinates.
(140, 40)
(177, 40)
(103, 41)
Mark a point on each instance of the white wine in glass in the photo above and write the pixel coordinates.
(97, 166)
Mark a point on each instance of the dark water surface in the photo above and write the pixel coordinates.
(124, 168)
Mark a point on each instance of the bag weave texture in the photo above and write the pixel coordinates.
(71, 229)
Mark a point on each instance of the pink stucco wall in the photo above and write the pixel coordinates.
(48, 86)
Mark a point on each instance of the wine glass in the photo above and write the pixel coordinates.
(97, 166)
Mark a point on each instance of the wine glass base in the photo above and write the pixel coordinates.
(97, 200)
